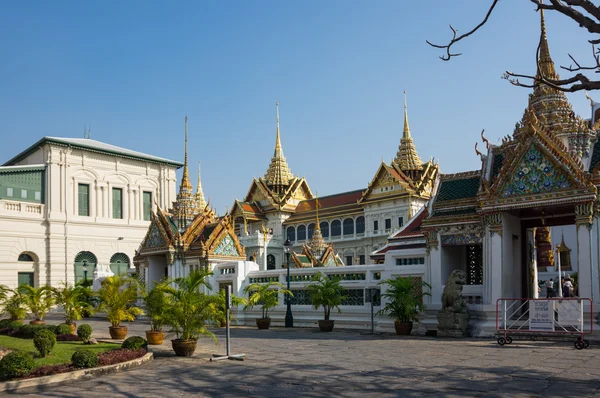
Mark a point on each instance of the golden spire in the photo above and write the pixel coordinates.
(545, 65)
(185, 178)
(185, 207)
(199, 194)
(406, 133)
(318, 226)
(317, 244)
(278, 174)
(407, 157)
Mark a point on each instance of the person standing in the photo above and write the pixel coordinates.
(567, 288)
(549, 288)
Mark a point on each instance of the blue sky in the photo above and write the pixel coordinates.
(132, 70)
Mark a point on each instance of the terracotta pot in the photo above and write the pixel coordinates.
(37, 322)
(263, 323)
(326, 326)
(118, 332)
(403, 328)
(155, 337)
(73, 327)
(184, 348)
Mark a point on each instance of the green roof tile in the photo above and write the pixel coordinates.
(595, 156)
(458, 189)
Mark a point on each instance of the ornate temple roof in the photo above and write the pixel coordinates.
(278, 174)
(552, 107)
(317, 244)
(458, 186)
(339, 204)
(407, 157)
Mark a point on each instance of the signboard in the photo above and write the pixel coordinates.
(569, 313)
(541, 315)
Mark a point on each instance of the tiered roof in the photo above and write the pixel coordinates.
(278, 174)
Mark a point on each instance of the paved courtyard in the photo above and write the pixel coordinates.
(306, 363)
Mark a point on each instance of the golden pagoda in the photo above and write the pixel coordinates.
(185, 207)
(278, 174)
(317, 244)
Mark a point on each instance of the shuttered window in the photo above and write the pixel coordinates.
(117, 202)
(83, 201)
(147, 205)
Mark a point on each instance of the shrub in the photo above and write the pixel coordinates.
(84, 332)
(63, 328)
(27, 331)
(16, 364)
(117, 356)
(134, 343)
(44, 341)
(67, 337)
(5, 323)
(84, 359)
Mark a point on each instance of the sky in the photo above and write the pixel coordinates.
(133, 69)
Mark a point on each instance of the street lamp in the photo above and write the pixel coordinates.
(85, 270)
(289, 319)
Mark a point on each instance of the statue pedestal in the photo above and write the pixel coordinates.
(451, 324)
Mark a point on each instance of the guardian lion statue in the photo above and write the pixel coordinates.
(452, 299)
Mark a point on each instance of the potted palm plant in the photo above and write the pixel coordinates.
(89, 297)
(156, 303)
(265, 296)
(38, 300)
(220, 307)
(403, 302)
(188, 311)
(326, 292)
(73, 300)
(118, 295)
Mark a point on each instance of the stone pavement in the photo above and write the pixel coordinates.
(307, 363)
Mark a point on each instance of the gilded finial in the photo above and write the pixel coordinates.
(485, 140)
(406, 133)
(477, 152)
(278, 174)
(317, 210)
(545, 64)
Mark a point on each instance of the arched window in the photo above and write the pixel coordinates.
(324, 229)
(348, 226)
(360, 225)
(302, 232)
(336, 228)
(270, 261)
(85, 262)
(119, 263)
(311, 230)
(291, 233)
(25, 257)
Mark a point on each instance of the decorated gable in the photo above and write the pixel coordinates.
(155, 238)
(330, 262)
(535, 174)
(226, 247)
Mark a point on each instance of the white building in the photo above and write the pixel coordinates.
(70, 205)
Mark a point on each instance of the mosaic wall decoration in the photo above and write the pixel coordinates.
(460, 239)
(535, 174)
(226, 247)
(155, 239)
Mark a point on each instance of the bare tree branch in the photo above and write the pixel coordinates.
(459, 38)
(584, 12)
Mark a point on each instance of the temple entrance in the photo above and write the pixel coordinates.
(550, 240)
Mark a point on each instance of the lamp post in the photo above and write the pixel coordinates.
(85, 270)
(289, 319)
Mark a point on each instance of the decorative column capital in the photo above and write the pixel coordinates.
(584, 214)
(494, 223)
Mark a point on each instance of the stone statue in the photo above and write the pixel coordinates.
(452, 299)
(453, 318)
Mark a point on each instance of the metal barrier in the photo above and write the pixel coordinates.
(544, 317)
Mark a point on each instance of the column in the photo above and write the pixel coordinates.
(435, 268)
(492, 267)
(583, 223)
